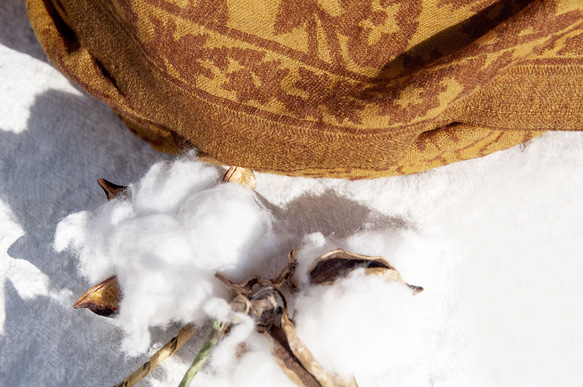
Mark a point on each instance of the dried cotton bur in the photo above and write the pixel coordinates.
(263, 302)
(267, 305)
(104, 298)
(338, 264)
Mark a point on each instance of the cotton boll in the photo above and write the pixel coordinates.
(219, 309)
(79, 233)
(181, 300)
(313, 246)
(224, 355)
(415, 257)
(226, 227)
(362, 324)
(163, 278)
(167, 185)
(256, 368)
(89, 236)
(156, 240)
(259, 368)
(165, 243)
(137, 337)
(120, 211)
(373, 243)
(70, 232)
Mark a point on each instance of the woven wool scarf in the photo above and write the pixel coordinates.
(325, 88)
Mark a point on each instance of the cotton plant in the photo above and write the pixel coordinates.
(185, 245)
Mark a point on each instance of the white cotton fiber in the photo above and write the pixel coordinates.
(360, 325)
(167, 185)
(229, 216)
(255, 367)
(178, 227)
(180, 224)
(224, 355)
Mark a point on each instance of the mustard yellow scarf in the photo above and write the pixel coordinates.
(334, 88)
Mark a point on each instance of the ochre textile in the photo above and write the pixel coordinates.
(337, 88)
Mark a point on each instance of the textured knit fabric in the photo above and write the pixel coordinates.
(336, 88)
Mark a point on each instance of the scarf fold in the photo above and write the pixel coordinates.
(325, 88)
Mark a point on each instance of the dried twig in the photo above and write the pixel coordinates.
(163, 353)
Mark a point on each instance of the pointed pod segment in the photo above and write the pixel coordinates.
(102, 299)
(240, 175)
(112, 190)
(287, 274)
(290, 365)
(338, 264)
(300, 352)
(266, 304)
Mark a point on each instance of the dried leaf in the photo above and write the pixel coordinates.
(338, 264)
(102, 299)
(243, 176)
(112, 190)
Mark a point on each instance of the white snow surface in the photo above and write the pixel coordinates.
(496, 242)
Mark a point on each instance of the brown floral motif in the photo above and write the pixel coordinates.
(573, 46)
(339, 98)
(308, 14)
(319, 95)
(256, 79)
(190, 55)
(354, 20)
(261, 81)
(201, 11)
(389, 45)
(204, 12)
(488, 15)
(457, 4)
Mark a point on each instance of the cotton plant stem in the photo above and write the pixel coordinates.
(203, 354)
(162, 354)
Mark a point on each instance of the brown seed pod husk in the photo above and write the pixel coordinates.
(240, 175)
(303, 354)
(112, 190)
(338, 264)
(102, 299)
(287, 274)
(245, 288)
(290, 365)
